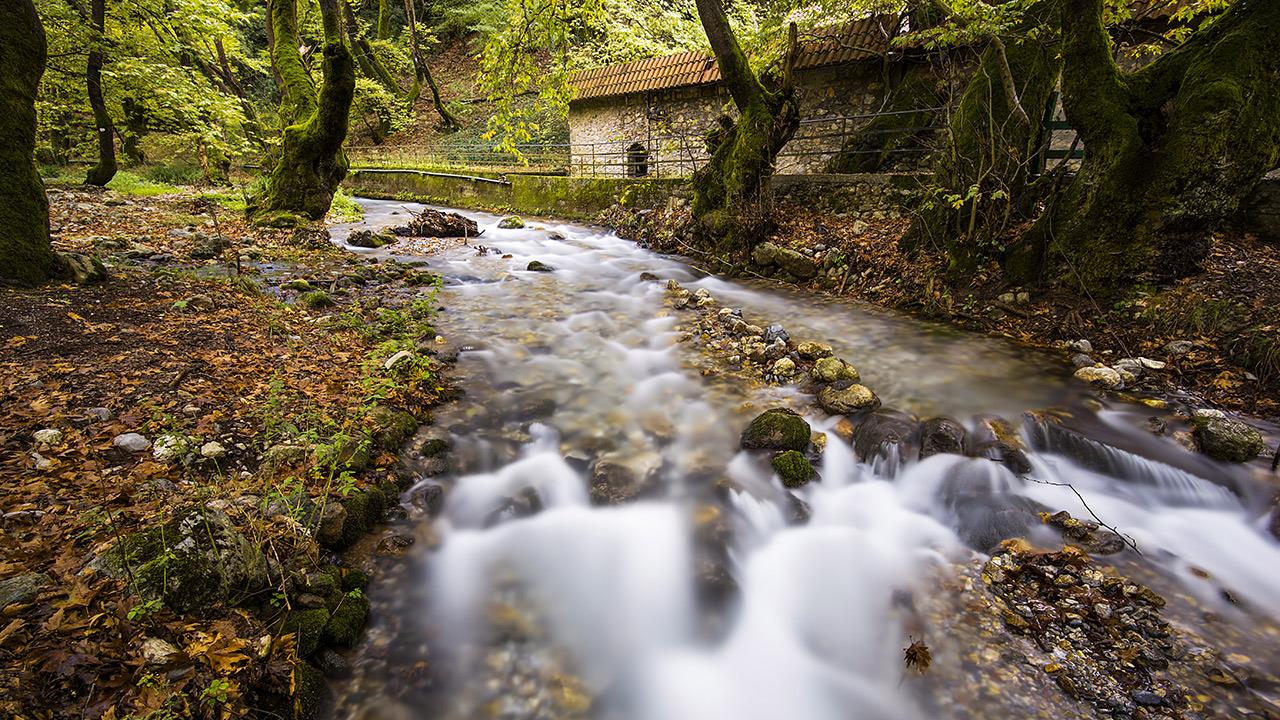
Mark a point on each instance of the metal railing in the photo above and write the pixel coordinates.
(810, 150)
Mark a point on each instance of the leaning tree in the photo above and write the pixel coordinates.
(25, 254)
(1172, 150)
(743, 151)
(311, 162)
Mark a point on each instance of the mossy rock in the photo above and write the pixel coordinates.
(433, 447)
(512, 222)
(390, 427)
(793, 468)
(311, 695)
(365, 508)
(1227, 440)
(308, 626)
(297, 284)
(346, 623)
(349, 452)
(777, 429)
(195, 560)
(353, 579)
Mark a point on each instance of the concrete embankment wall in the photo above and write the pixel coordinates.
(571, 198)
(583, 198)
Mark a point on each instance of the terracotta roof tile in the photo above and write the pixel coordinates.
(859, 40)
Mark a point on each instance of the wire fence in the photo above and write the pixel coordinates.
(816, 143)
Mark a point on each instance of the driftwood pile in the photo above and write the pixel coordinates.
(436, 224)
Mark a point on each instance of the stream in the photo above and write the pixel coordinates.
(704, 598)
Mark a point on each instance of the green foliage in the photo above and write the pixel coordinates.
(344, 208)
(129, 183)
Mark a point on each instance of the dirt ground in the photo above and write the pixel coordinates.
(172, 345)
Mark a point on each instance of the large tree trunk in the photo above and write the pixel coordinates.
(980, 187)
(422, 73)
(914, 93)
(1171, 150)
(25, 255)
(311, 161)
(101, 173)
(743, 152)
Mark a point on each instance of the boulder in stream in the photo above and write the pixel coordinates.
(1226, 439)
(792, 468)
(846, 397)
(777, 429)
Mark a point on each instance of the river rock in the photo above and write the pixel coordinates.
(1100, 376)
(1081, 346)
(792, 468)
(330, 524)
(156, 651)
(207, 247)
(133, 442)
(83, 268)
(213, 450)
(539, 266)
(783, 367)
(846, 397)
(367, 239)
(511, 222)
(941, 435)
(776, 429)
(766, 253)
(21, 589)
(1080, 360)
(194, 560)
(833, 369)
(169, 448)
(49, 437)
(798, 264)
(773, 333)
(810, 350)
(1227, 440)
(889, 435)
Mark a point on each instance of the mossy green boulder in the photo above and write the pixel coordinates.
(1227, 440)
(347, 621)
(776, 429)
(197, 559)
(792, 468)
(308, 626)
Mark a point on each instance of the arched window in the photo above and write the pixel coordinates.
(637, 161)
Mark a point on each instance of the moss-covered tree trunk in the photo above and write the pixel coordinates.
(742, 152)
(384, 20)
(1171, 150)
(101, 173)
(311, 162)
(25, 254)
(980, 187)
(914, 93)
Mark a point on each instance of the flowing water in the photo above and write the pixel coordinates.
(523, 599)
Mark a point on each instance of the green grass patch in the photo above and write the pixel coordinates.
(345, 209)
(128, 183)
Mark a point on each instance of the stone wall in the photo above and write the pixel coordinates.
(571, 198)
(669, 124)
(864, 196)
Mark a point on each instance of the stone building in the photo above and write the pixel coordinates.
(648, 117)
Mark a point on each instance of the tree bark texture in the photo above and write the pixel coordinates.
(25, 255)
(101, 173)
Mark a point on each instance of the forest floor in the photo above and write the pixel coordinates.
(1226, 318)
(267, 397)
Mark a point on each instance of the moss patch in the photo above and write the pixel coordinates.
(792, 468)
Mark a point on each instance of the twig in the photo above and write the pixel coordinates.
(1124, 537)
